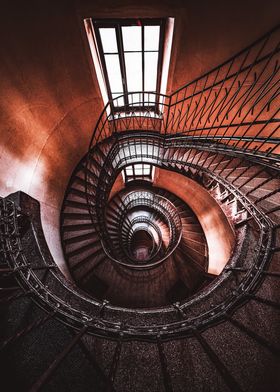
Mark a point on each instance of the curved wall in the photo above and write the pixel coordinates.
(218, 231)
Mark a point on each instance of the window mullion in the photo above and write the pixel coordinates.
(122, 62)
(146, 78)
(143, 63)
(104, 67)
(160, 60)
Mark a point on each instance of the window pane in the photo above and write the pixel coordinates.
(151, 61)
(150, 99)
(146, 171)
(131, 37)
(138, 169)
(129, 171)
(108, 39)
(133, 64)
(135, 99)
(151, 37)
(114, 72)
(118, 101)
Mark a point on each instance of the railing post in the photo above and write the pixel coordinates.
(168, 114)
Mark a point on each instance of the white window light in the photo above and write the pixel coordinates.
(132, 56)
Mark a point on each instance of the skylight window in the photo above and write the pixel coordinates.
(130, 54)
(138, 171)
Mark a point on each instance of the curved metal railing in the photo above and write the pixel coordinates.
(155, 203)
(151, 228)
(73, 307)
(233, 108)
(236, 104)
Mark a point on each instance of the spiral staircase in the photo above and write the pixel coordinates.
(150, 308)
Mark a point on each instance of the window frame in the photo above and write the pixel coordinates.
(134, 176)
(117, 24)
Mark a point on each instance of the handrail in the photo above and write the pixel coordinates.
(237, 96)
(74, 308)
(248, 47)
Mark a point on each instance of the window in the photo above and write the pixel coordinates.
(130, 57)
(138, 171)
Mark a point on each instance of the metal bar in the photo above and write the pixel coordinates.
(58, 360)
(189, 107)
(6, 270)
(195, 113)
(11, 288)
(228, 77)
(232, 84)
(259, 40)
(227, 377)
(236, 269)
(246, 94)
(268, 139)
(267, 273)
(253, 122)
(167, 116)
(11, 271)
(221, 100)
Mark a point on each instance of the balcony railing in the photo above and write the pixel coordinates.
(234, 106)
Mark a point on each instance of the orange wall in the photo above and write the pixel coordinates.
(217, 229)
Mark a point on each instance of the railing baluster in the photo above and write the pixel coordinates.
(10, 270)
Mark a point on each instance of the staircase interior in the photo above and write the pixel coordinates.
(149, 308)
